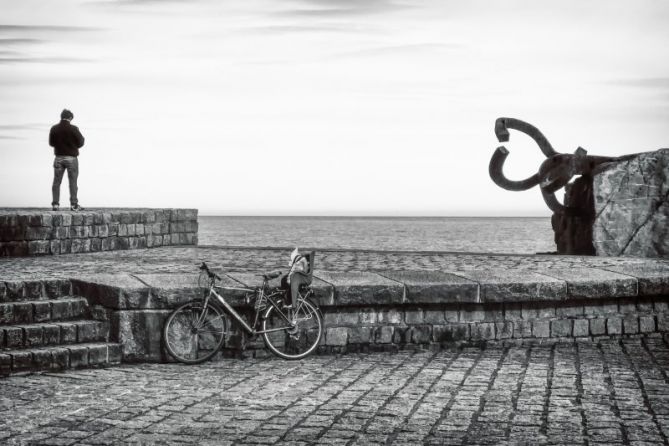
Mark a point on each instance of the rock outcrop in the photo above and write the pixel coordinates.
(632, 207)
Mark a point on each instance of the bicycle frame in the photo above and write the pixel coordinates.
(232, 312)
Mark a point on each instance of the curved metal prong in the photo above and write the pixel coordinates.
(555, 206)
(503, 124)
(501, 130)
(556, 172)
(496, 173)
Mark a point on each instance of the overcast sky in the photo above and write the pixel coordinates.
(322, 107)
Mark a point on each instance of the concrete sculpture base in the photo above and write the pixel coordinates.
(632, 207)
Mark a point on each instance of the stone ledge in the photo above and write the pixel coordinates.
(434, 286)
(334, 288)
(393, 308)
(32, 232)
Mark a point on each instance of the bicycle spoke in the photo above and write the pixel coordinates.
(194, 317)
(212, 330)
(297, 340)
(220, 317)
(193, 334)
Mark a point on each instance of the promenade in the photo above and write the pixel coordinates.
(578, 393)
(540, 390)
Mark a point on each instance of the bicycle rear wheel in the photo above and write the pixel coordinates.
(193, 333)
(293, 341)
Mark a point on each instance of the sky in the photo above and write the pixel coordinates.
(322, 107)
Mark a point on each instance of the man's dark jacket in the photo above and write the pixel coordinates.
(65, 139)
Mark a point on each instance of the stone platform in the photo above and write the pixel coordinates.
(371, 300)
(33, 232)
(543, 350)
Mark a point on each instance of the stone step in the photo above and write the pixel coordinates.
(52, 333)
(18, 290)
(31, 311)
(94, 354)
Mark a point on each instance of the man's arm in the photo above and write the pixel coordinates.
(51, 143)
(79, 136)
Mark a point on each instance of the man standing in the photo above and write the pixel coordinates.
(66, 140)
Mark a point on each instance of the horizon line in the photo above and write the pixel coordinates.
(365, 216)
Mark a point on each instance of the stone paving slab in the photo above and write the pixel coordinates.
(166, 281)
(171, 290)
(434, 286)
(516, 286)
(362, 287)
(585, 393)
(594, 282)
(117, 291)
(653, 278)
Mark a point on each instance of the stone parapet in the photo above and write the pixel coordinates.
(34, 232)
(370, 300)
(387, 310)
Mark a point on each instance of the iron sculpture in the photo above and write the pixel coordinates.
(554, 173)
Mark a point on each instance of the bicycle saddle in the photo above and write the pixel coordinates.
(270, 275)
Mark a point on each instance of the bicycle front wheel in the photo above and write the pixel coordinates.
(297, 339)
(193, 333)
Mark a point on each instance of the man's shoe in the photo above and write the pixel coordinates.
(76, 207)
(54, 207)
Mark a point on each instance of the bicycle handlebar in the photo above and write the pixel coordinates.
(211, 274)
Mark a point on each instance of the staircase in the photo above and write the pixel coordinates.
(44, 327)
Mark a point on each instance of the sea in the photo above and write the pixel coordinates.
(512, 235)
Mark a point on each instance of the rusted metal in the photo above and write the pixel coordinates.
(497, 175)
(554, 173)
(502, 126)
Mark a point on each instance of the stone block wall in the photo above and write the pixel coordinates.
(35, 232)
(390, 328)
(44, 326)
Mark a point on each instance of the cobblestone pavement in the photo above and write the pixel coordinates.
(615, 392)
(185, 260)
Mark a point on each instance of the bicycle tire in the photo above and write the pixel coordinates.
(189, 343)
(294, 342)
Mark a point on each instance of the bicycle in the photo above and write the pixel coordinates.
(196, 331)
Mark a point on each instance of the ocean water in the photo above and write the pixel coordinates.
(519, 235)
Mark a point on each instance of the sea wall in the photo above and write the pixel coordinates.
(370, 328)
(366, 311)
(33, 232)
